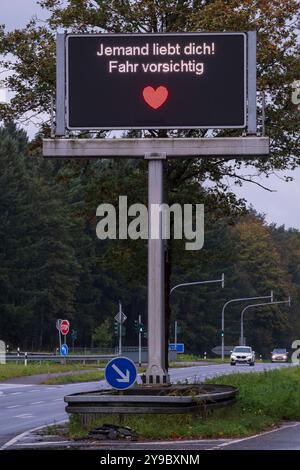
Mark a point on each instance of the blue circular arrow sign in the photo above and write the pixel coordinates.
(64, 350)
(120, 373)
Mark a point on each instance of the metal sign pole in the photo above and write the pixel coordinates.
(156, 371)
(140, 341)
(58, 323)
(120, 329)
(175, 335)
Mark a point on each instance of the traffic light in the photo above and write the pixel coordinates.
(123, 330)
(222, 333)
(117, 329)
(138, 327)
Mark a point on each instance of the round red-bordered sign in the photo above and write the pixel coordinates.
(64, 327)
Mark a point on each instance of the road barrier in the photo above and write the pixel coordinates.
(57, 358)
(152, 400)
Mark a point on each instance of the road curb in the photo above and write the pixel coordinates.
(25, 433)
(264, 433)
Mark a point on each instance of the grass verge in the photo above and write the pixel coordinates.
(265, 399)
(75, 378)
(9, 371)
(91, 376)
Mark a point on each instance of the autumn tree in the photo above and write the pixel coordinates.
(29, 56)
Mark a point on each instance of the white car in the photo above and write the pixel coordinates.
(242, 355)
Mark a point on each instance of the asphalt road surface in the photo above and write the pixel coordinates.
(23, 407)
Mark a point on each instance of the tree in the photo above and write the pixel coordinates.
(33, 79)
(103, 334)
(38, 273)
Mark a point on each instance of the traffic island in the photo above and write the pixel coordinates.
(198, 400)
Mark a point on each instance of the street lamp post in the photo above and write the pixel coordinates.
(196, 283)
(222, 280)
(258, 305)
(237, 300)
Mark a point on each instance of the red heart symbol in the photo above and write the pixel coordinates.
(155, 98)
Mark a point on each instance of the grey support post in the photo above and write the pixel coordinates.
(156, 372)
(251, 79)
(60, 85)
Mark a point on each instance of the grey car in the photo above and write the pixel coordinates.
(279, 355)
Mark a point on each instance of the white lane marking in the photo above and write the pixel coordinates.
(236, 441)
(24, 416)
(13, 406)
(37, 402)
(15, 386)
(58, 399)
(16, 393)
(41, 444)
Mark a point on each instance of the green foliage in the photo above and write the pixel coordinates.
(12, 370)
(103, 334)
(264, 400)
(52, 265)
(89, 376)
(38, 269)
(29, 53)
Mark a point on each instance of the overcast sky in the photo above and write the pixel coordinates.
(281, 207)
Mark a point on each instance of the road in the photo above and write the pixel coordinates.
(23, 407)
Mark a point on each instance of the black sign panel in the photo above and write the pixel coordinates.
(154, 81)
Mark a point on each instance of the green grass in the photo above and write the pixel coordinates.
(265, 399)
(214, 360)
(9, 371)
(84, 377)
(196, 358)
(75, 378)
(189, 358)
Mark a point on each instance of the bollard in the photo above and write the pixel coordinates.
(205, 355)
(25, 359)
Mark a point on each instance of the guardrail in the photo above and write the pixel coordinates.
(147, 400)
(56, 358)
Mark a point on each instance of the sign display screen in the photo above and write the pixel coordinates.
(156, 81)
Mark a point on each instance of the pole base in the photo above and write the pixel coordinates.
(156, 379)
(156, 375)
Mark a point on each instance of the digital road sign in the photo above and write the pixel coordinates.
(156, 81)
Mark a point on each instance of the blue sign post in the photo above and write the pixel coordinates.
(64, 350)
(179, 347)
(120, 373)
